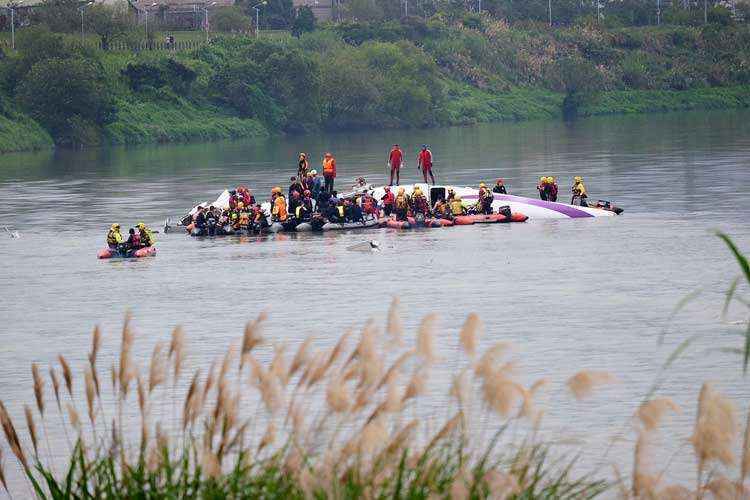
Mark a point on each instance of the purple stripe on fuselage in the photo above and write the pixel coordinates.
(562, 208)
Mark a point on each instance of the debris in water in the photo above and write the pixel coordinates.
(12, 234)
(365, 246)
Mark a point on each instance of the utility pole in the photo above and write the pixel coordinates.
(549, 9)
(257, 16)
(205, 10)
(658, 12)
(12, 8)
(83, 9)
(705, 11)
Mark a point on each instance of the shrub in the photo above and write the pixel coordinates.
(304, 21)
(68, 97)
(230, 19)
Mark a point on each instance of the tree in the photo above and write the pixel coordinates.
(304, 22)
(581, 82)
(69, 97)
(60, 16)
(110, 22)
(230, 19)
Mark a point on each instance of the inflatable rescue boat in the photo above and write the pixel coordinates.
(107, 253)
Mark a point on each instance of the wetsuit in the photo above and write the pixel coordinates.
(500, 189)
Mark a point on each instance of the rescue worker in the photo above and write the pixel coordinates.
(329, 171)
(304, 209)
(419, 202)
(302, 166)
(258, 219)
(457, 208)
(484, 203)
(352, 211)
(542, 188)
(424, 162)
(579, 192)
(552, 189)
(246, 196)
(440, 209)
(499, 187)
(451, 194)
(234, 199)
(134, 241)
(294, 201)
(212, 219)
(146, 236)
(395, 161)
(200, 219)
(243, 222)
(317, 184)
(389, 202)
(114, 237)
(402, 204)
(369, 206)
(279, 211)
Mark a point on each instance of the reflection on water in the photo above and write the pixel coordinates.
(570, 294)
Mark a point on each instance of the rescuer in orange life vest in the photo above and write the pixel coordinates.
(329, 171)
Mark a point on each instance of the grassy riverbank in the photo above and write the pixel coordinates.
(413, 73)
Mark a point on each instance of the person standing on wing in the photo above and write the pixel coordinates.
(424, 163)
(395, 161)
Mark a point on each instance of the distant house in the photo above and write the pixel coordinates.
(178, 14)
(323, 9)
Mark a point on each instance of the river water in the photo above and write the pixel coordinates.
(570, 294)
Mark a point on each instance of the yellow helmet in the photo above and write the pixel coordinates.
(578, 178)
(482, 185)
(542, 179)
(141, 225)
(550, 179)
(240, 205)
(115, 226)
(417, 190)
(277, 189)
(400, 190)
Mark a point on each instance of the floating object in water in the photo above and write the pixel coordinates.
(13, 234)
(167, 226)
(332, 226)
(365, 246)
(107, 253)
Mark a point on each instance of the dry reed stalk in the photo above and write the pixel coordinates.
(651, 412)
(644, 483)
(745, 461)
(337, 395)
(395, 368)
(113, 376)
(269, 437)
(142, 397)
(210, 381)
(2, 472)
(339, 349)
(271, 393)
(226, 363)
(401, 439)
(96, 344)
(502, 394)
(90, 393)
(210, 464)
(38, 388)
(126, 371)
(189, 407)
(723, 489)
(55, 386)
(392, 403)
(501, 485)
(490, 358)
(426, 338)
(529, 409)
(470, 333)
(715, 429)
(75, 420)
(675, 492)
(318, 369)
(278, 364)
(32, 429)
(459, 489)
(67, 374)
(157, 370)
(394, 326)
(416, 386)
(447, 429)
(301, 357)
(583, 383)
(372, 436)
(252, 336)
(177, 349)
(12, 437)
(461, 388)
